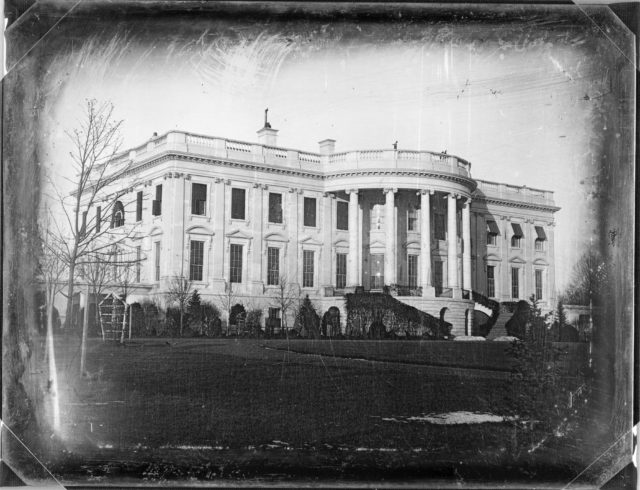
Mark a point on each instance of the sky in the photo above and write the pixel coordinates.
(522, 102)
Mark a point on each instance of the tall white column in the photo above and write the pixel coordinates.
(390, 269)
(425, 243)
(354, 252)
(452, 243)
(466, 240)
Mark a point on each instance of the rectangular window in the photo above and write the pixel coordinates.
(342, 215)
(491, 281)
(157, 261)
(412, 270)
(515, 282)
(412, 219)
(157, 202)
(341, 271)
(238, 203)
(439, 226)
(377, 216)
(196, 260)
(307, 268)
(98, 218)
(309, 211)
(199, 199)
(541, 237)
(275, 207)
(516, 238)
(492, 232)
(139, 206)
(138, 262)
(538, 279)
(235, 263)
(273, 266)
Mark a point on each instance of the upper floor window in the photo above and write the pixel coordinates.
(139, 206)
(157, 202)
(309, 211)
(198, 199)
(117, 218)
(275, 207)
(439, 229)
(492, 232)
(196, 260)
(516, 238)
(412, 218)
(377, 216)
(538, 285)
(238, 203)
(541, 238)
(342, 215)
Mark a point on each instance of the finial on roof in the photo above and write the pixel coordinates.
(395, 145)
(266, 122)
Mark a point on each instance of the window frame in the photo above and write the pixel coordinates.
(345, 205)
(305, 209)
(237, 278)
(139, 199)
(415, 219)
(194, 202)
(157, 259)
(138, 263)
(515, 282)
(538, 285)
(412, 275)
(439, 226)
(270, 209)
(193, 266)
(491, 281)
(271, 279)
(341, 276)
(236, 191)
(306, 265)
(156, 204)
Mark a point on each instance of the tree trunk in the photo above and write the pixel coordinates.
(85, 328)
(52, 380)
(181, 314)
(70, 285)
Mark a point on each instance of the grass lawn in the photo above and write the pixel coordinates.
(227, 406)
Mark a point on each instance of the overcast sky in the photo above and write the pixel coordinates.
(519, 103)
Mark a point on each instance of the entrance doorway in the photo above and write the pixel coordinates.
(377, 271)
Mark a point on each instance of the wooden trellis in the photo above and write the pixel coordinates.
(113, 319)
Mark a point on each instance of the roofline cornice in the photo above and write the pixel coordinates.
(517, 204)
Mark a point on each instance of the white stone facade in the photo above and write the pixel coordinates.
(346, 220)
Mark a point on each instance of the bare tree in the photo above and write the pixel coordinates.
(52, 271)
(95, 143)
(94, 270)
(179, 292)
(287, 298)
(589, 279)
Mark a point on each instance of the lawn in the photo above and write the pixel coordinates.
(209, 408)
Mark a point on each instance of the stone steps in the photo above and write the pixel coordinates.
(500, 329)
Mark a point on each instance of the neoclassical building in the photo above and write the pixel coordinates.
(247, 216)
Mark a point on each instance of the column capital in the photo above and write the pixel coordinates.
(352, 191)
(424, 192)
(386, 190)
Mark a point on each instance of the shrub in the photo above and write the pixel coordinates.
(307, 322)
(331, 323)
(254, 322)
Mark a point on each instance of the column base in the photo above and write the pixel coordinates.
(428, 292)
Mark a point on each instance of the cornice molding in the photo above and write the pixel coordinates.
(517, 204)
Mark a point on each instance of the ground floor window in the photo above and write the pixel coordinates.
(235, 263)
(515, 282)
(196, 260)
(138, 262)
(273, 266)
(438, 276)
(157, 261)
(538, 279)
(307, 268)
(412, 269)
(341, 271)
(491, 281)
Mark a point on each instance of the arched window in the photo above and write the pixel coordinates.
(117, 218)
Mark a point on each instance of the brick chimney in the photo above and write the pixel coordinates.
(267, 135)
(327, 147)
